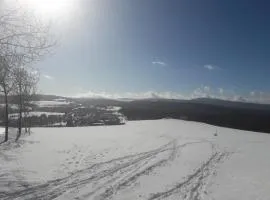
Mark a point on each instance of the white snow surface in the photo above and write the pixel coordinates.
(2, 130)
(50, 103)
(12, 106)
(35, 113)
(160, 159)
(113, 108)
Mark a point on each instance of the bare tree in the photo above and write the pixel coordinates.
(25, 81)
(28, 92)
(24, 40)
(23, 35)
(6, 84)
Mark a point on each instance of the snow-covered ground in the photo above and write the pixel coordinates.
(162, 159)
(2, 130)
(35, 113)
(12, 106)
(55, 103)
(113, 108)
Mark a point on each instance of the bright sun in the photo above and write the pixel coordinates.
(49, 8)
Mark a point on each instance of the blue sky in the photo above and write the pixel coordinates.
(166, 48)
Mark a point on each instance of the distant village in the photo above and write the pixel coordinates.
(61, 113)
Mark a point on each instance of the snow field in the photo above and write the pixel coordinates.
(159, 159)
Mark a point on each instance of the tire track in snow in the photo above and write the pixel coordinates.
(193, 187)
(95, 173)
(105, 178)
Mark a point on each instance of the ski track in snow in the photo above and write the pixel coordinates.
(193, 187)
(103, 180)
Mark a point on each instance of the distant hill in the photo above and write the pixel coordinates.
(245, 116)
(234, 104)
(239, 115)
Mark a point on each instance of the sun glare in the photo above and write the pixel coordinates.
(49, 8)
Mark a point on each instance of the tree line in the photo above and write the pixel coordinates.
(24, 40)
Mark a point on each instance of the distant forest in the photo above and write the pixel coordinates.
(245, 118)
(238, 115)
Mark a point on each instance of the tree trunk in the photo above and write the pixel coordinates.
(25, 126)
(30, 124)
(20, 113)
(6, 114)
(25, 121)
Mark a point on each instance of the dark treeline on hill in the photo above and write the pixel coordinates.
(238, 115)
(245, 116)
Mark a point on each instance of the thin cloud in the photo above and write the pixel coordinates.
(210, 67)
(48, 76)
(221, 91)
(159, 63)
(200, 92)
(206, 88)
(252, 93)
(259, 97)
(131, 95)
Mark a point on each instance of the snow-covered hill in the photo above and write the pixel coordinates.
(161, 159)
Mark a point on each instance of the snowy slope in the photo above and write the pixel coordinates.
(162, 159)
